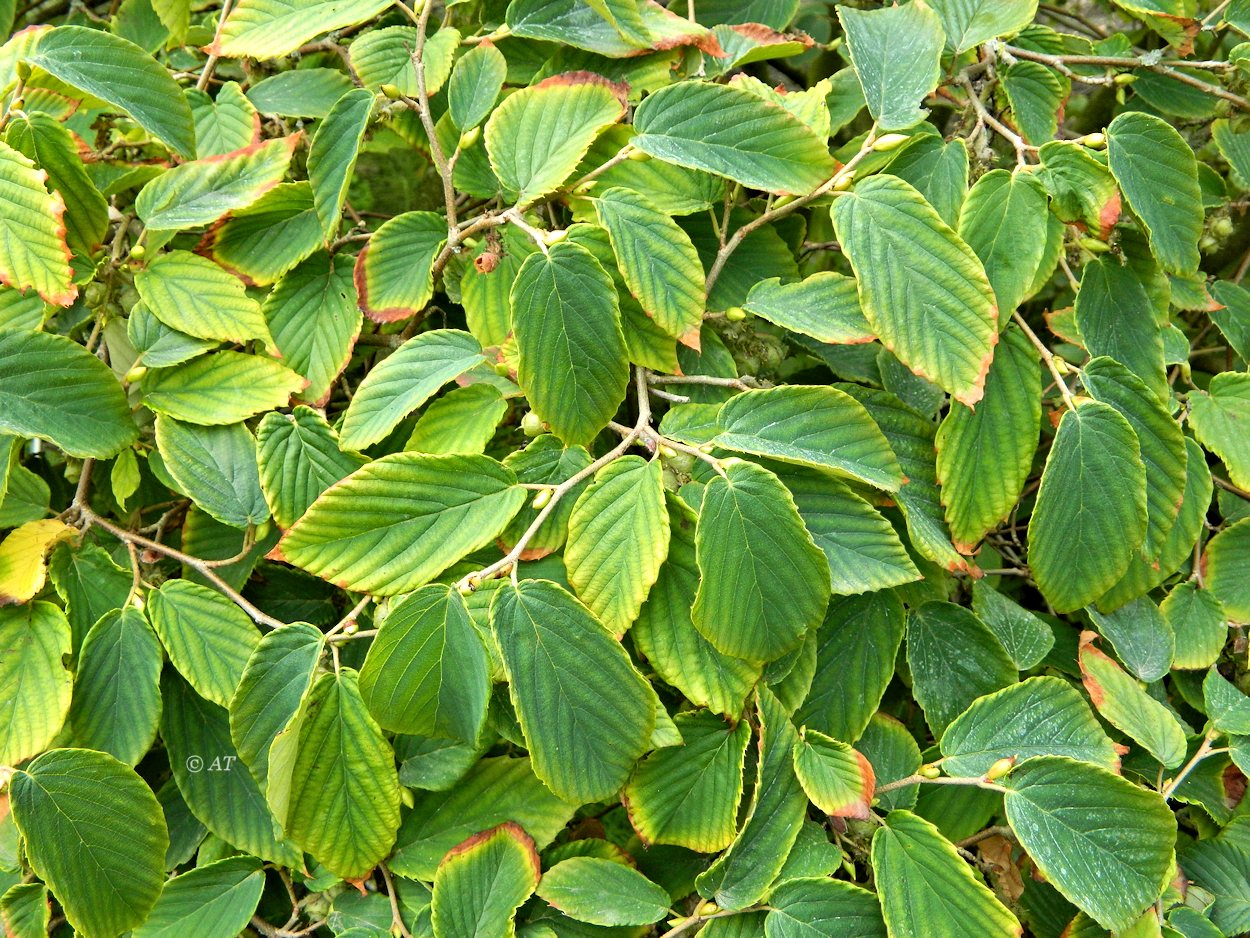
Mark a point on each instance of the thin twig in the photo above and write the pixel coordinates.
(211, 63)
(940, 780)
(471, 581)
(1202, 752)
(1229, 487)
(1048, 358)
(427, 120)
(773, 214)
(90, 518)
(397, 920)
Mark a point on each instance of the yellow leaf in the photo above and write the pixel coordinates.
(22, 558)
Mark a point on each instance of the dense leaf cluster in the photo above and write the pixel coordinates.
(577, 468)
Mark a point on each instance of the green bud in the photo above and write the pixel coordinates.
(391, 92)
(470, 137)
(887, 142)
(1097, 141)
(735, 314)
(930, 771)
(532, 424)
(542, 499)
(1001, 768)
(1094, 245)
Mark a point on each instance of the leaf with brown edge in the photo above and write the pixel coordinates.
(922, 289)
(394, 272)
(837, 778)
(480, 883)
(33, 249)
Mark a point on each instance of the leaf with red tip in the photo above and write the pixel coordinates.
(482, 882)
(33, 250)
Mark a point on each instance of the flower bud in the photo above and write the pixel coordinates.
(138, 252)
(469, 137)
(1095, 141)
(638, 156)
(1001, 768)
(1094, 245)
(542, 499)
(930, 771)
(887, 142)
(392, 92)
(135, 373)
(532, 424)
(844, 182)
(1125, 78)
(735, 314)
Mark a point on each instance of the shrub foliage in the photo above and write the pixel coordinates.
(580, 467)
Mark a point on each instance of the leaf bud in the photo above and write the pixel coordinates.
(392, 92)
(542, 499)
(135, 373)
(1094, 245)
(887, 142)
(735, 314)
(844, 182)
(1125, 78)
(638, 156)
(1095, 141)
(469, 137)
(554, 237)
(930, 771)
(709, 908)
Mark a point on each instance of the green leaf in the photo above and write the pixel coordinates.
(999, 220)
(1026, 637)
(35, 685)
(208, 638)
(427, 672)
(406, 380)
(33, 250)
(54, 389)
(25, 911)
(117, 695)
(1035, 94)
(688, 795)
(574, 689)
(1126, 706)
(1225, 560)
(215, 900)
(482, 882)
(277, 676)
(1198, 621)
(896, 53)
(332, 157)
(657, 260)
(344, 802)
(221, 388)
(603, 892)
(1158, 174)
(475, 85)
(216, 466)
(836, 778)
(225, 124)
(1040, 716)
(954, 658)
(270, 29)
(218, 790)
(299, 458)
(1104, 843)
(863, 550)
(743, 874)
(732, 132)
(303, 92)
(193, 295)
(494, 791)
(398, 522)
(1090, 514)
(94, 833)
(201, 192)
(92, 60)
(384, 57)
(618, 538)
(1228, 708)
(666, 636)
(764, 582)
(463, 420)
(1220, 418)
(1142, 638)
(922, 289)
(811, 426)
(539, 134)
(1161, 440)
(1223, 870)
(313, 318)
(969, 23)
(1109, 312)
(984, 455)
(824, 306)
(573, 363)
(811, 907)
(925, 886)
(856, 648)
(43, 139)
